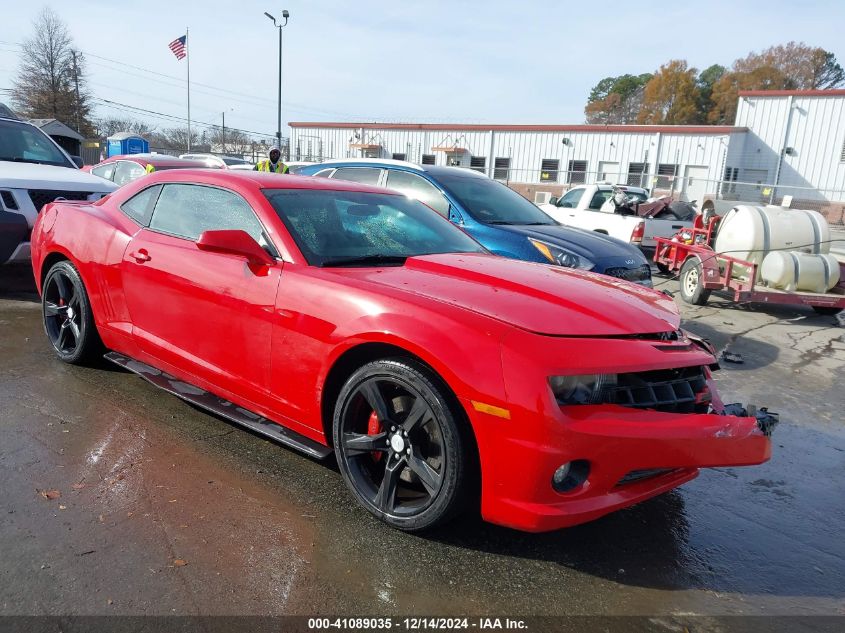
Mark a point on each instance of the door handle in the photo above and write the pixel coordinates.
(141, 256)
(677, 226)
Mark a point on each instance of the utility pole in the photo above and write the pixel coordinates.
(223, 134)
(76, 81)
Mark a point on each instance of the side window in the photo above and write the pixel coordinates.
(140, 206)
(418, 188)
(325, 173)
(599, 198)
(188, 210)
(127, 171)
(104, 171)
(571, 198)
(364, 175)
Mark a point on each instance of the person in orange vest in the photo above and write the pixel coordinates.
(274, 164)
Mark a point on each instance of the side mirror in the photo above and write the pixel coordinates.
(235, 242)
(553, 201)
(77, 160)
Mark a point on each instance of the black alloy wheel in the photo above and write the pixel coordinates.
(67, 315)
(399, 444)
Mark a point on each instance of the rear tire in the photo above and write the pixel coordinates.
(692, 283)
(401, 444)
(68, 319)
(825, 311)
(663, 269)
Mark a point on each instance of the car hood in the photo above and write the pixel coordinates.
(589, 244)
(535, 297)
(32, 176)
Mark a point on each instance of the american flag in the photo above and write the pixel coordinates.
(179, 47)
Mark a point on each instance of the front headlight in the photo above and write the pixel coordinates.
(587, 389)
(561, 256)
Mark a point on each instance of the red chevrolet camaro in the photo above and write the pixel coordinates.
(337, 317)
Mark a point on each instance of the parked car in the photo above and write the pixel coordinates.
(34, 171)
(224, 162)
(499, 218)
(125, 168)
(581, 207)
(338, 317)
(296, 166)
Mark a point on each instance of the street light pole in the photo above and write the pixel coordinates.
(285, 15)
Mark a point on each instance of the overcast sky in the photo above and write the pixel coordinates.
(455, 61)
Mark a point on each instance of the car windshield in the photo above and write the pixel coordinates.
(347, 228)
(234, 161)
(22, 143)
(492, 202)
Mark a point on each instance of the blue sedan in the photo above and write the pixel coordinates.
(496, 216)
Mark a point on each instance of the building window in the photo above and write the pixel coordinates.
(729, 183)
(636, 174)
(478, 163)
(666, 176)
(577, 172)
(502, 168)
(398, 156)
(428, 159)
(549, 169)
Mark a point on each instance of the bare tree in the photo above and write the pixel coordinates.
(51, 78)
(176, 138)
(107, 126)
(229, 142)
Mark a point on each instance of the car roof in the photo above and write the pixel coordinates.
(261, 180)
(158, 160)
(387, 163)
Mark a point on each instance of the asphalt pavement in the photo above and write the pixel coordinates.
(120, 499)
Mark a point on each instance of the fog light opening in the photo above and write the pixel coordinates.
(570, 475)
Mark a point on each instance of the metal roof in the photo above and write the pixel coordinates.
(54, 127)
(792, 93)
(452, 127)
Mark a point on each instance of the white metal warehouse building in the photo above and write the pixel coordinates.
(783, 143)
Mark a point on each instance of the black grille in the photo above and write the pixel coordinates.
(670, 390)
(40, 197)
(641, 273)
(640, 475)
(9, 200)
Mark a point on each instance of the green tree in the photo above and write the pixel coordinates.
(671, 97)
(51, 78)
(616, 99)
(707, 78)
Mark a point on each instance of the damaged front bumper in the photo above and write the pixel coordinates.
(551, 466)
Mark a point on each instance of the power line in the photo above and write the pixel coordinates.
(173, 117)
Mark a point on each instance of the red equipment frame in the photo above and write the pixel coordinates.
(717, 271)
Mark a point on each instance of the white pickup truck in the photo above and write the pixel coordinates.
(34, 170)
(581, 207)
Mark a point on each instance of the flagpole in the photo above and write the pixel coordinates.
(188, 55)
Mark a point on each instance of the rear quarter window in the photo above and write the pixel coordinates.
(140, 206)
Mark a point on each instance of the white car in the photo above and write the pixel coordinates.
(34, 171)
(226, 162)
(589, 207)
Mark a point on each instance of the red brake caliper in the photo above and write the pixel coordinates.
(374, 428)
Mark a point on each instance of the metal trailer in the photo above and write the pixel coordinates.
(702, 270)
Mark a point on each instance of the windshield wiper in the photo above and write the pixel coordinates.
(500, 222)
(364, 260)
(537, 223)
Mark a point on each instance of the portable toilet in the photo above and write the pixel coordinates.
(126, 143)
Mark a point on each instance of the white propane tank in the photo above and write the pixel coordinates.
(800, 271)
(750, 233)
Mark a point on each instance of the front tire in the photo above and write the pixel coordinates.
(68, 320)
(692, 283)
(401, 445)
